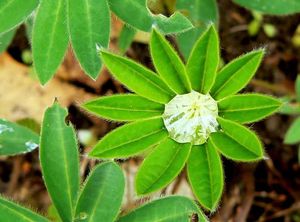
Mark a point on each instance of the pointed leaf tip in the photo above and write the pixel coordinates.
(168, 64)
(237, 142)
(162, 166)
(204, 60)
(247, 108)
(137, 78)
(92, 201)
(236, 74)
(205, 173)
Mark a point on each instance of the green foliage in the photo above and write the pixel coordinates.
(49, 38)
(292, 107)
(292, 135)
(203, 62)
(235, 75)
(168, 209)
(168, 157)
(168, 64)
(142, 81)
(205, 163)
(14, 12)
(60, 161)
(136, 14)
(297, 88)
(201, 13)
(274, 7)
(127, 107)
(130, 139)
(162, 166)
(5, 39)
(89, 26)
(16, 139)
(237, 142)
(102, 195)
(247, 108)
(86, 23)
(11, 212)
(126, 37)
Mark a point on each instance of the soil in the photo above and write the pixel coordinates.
(262, 191)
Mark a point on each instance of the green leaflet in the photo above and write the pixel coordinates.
(60, 161)
(130, 139)
(126, 107)
(29, 27)
(274, 7)
(136, 14)
(102, 195)
(167, 209)
(49, 38)
(289, 108)
(14, 12)
(162, 166)
(89, 26)
(193, 9)
(137, 78)
(297, 88)
(5, 39)
(11, 212)
(16, 139)
(203, 62)
(126, 37)
(237, 142)
(293, 134)
(205, 173)
(168, 64)
(235, 75)
(247, 108)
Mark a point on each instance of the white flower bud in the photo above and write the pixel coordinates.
(190, 118)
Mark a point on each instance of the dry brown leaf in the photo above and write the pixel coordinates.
(22, 96)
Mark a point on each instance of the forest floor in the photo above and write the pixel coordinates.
(262, 191)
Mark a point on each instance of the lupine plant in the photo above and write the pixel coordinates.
(83, 23)
(101, 195)
(185, 114)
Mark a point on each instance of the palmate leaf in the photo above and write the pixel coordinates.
(235, 75)
(193, 9)
(14, 12)
(168, 209)
(237, 142)
(144, 20)
(102, 194)
(49, 38)
(203, 62)
(60, 161)
(89, 26)
(205, 173)
(274, 7)
(292, 136)
(16, 139)
(127, 107)
(168, 64)
(11, 212)
(137, 78)
(5, 39)
(162, 166)
(247, 108)
(130, 139)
